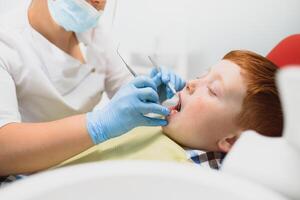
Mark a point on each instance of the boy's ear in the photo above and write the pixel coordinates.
(227, 142)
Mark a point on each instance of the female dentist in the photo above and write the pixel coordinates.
(55, 62)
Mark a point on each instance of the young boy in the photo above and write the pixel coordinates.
(237, 94)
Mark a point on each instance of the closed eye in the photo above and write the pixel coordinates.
(211, 92)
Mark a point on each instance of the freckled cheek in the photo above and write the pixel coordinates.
(201, 113)
(196, 107)
(193, 112)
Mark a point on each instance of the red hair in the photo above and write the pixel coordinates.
(261, 109)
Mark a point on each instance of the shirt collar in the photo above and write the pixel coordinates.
(212, 159)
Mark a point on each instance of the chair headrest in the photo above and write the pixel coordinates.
(272, 162)
(288, 81)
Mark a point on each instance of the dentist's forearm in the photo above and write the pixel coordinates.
(31, 147)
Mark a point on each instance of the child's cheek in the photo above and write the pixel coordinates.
(197, 106)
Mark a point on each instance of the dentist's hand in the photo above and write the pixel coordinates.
(126, 111)
(162, 79)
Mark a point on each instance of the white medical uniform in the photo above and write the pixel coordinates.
(39, 82)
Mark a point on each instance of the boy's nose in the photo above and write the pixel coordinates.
(191, 86)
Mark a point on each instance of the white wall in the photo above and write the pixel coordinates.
(203, 31)
(191, 35)
(153, 27)
(217, 27)
(6, 5)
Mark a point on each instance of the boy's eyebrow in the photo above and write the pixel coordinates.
(204, 73)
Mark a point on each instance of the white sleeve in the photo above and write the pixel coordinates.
(116, 74)
(8, 101)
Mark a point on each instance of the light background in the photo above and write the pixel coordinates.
(192, 35)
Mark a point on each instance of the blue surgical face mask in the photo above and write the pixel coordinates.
(74, 15)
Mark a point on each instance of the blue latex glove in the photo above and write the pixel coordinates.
(166, 76)
(127, 110)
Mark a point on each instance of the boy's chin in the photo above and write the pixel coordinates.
(165, 129)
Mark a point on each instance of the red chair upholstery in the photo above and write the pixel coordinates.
(287, 52)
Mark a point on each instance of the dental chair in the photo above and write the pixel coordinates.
(257, 167)
(274, 162)
(287, 52)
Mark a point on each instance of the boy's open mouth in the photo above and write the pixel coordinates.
(177, 108)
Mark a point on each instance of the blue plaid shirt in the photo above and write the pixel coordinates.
(212, 160)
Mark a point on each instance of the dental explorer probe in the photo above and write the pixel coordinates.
(152, 115)
(128, 67)
(170, 85)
